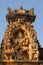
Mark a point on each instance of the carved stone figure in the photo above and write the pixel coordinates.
(33, 51)
(8, 51)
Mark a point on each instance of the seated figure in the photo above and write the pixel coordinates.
(8, 51)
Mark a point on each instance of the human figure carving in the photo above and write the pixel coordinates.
(33, 51)
(8, 51)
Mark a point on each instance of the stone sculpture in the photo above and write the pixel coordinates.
(20, 34)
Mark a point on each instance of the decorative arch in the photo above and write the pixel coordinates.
(23, 29)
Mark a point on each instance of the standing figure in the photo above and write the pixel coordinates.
(33, 51)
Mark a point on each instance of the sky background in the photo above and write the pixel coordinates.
(27, 4)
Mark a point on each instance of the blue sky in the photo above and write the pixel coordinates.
(27, 4)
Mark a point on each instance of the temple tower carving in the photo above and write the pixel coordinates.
(20, 39)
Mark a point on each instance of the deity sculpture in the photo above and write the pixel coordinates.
(33, 51)
(8, 51)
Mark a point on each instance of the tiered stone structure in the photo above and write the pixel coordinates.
(20, 41)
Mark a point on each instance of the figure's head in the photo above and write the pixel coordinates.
(8, 43)
(20, 34)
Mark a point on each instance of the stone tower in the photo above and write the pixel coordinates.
(20, 39)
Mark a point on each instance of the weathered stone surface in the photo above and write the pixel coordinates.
(20, 45)
(21, 62)
(20, 34)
